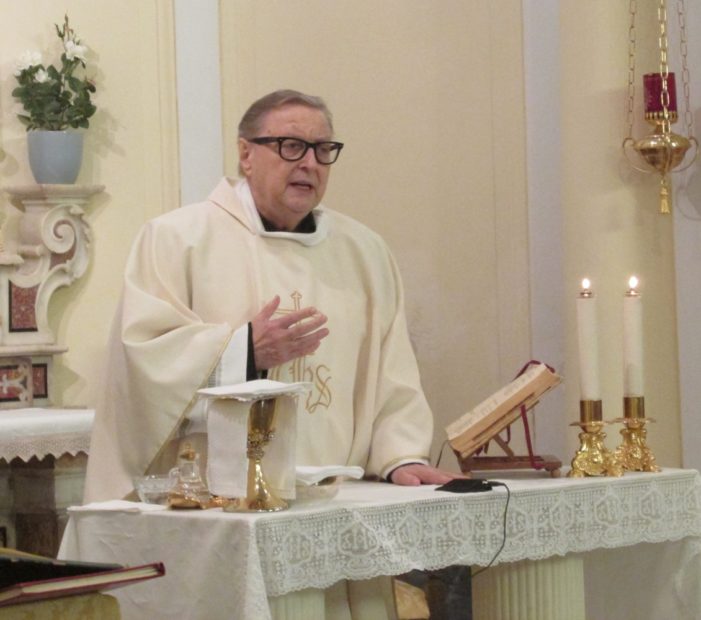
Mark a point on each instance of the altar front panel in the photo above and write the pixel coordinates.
(222, 565)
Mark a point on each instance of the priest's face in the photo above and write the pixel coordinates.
(285, 191)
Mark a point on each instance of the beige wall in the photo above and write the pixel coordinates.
(428, 98)
(130, 148)
(612, 227)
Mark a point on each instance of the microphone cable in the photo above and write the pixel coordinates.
(474, 485)
(503, 539)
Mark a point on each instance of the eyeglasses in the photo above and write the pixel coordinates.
(293, 149)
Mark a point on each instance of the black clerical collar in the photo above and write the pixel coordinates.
(306, 226)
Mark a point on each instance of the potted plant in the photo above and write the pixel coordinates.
(56, 102)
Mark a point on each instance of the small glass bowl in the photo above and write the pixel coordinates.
(320, 492)
(154, 489)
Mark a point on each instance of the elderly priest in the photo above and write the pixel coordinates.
(260, 278)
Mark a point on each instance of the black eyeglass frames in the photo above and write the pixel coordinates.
(293, 149)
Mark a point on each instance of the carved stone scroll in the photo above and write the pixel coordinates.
(44, 245)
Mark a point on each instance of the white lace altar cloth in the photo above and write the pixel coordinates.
(40, 432)
(389, 530)
(223, 565)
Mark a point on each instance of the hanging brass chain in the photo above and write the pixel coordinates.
(664, 66)
(662, 156)
(632, 7)
(688, 117)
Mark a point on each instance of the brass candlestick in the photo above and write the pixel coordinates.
(634, 454)
(592, 458)
(259, 497)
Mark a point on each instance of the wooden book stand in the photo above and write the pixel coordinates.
(469, 436)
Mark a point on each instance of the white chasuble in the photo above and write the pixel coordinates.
(197, 274)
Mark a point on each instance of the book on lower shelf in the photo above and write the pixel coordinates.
(476, 427)
(26, 577)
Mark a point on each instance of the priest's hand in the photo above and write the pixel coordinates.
(414, 474)
(279, 340)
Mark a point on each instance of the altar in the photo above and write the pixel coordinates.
(36, 432)
(636, 541)
(43, 452)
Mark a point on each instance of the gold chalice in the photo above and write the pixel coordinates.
(261, 429)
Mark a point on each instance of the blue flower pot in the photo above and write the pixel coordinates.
(55, 156)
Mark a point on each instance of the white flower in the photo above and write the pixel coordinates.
(27, 60)
(74, 50)
(41, 76)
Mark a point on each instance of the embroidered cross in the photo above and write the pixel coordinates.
(319, 375)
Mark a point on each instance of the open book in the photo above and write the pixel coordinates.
(475, 428)
(25, 577)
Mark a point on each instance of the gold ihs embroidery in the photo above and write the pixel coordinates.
(300, 369)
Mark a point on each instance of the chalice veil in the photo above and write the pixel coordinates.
(251, 430)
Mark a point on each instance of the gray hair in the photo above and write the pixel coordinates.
(252, 119)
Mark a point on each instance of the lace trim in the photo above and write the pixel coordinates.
(317, 549)
(55, 445)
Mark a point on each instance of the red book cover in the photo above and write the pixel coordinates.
(25, 578)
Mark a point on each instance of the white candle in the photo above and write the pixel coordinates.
(588, 344)
(632, 341)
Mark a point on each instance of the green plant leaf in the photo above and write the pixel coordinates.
(63, 99)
